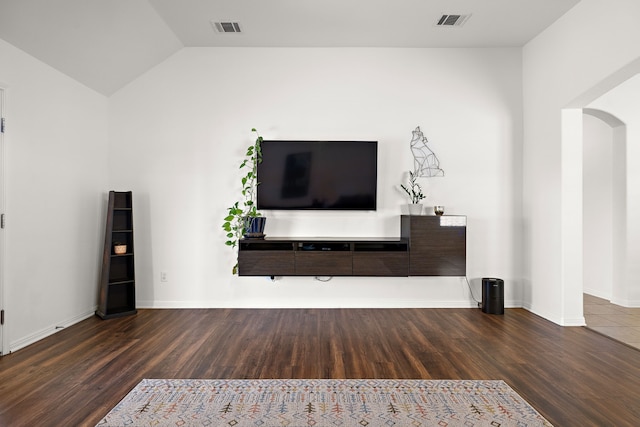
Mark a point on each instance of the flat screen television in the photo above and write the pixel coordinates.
(333, 175)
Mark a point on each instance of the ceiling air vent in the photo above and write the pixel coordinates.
(226, 27)
(452, 20)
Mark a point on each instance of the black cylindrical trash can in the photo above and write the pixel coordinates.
(492, 295)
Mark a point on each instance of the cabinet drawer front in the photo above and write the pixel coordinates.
(380, 264)
(437, 245)
(266, 263)
(439, 251)
(430, 264)
(324, 263)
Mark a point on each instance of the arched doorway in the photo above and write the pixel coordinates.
(604, 201)
(609, 198)
(571, 200)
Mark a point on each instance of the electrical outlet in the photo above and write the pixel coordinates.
(163, 276)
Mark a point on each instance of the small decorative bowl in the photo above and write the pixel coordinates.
(438, 210)
(120, 249)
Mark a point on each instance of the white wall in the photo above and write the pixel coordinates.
(598, 207)
(178, 133)
(624, 103)
(578, 52)
(56, 175)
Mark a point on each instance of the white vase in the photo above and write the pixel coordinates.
(415, 209)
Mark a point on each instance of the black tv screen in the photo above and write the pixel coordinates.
(337, 175)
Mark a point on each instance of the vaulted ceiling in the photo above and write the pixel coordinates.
(105, 44)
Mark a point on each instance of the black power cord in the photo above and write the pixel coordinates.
(471, 292)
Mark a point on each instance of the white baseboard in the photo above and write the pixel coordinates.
(563, 321)
(49, 330)
(612, 300)
(626, 303)
(570, 321)
(342, 304)
(598, 294)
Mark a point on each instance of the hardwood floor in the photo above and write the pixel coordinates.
(572, 376)
(614, 321)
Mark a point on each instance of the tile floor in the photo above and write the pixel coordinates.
(617, 322)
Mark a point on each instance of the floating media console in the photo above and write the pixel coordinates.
(428, 246)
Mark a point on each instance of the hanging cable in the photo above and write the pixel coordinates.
(470, 291)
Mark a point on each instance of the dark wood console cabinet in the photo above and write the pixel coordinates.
(437, 244)
(274, 256)
(428, 246)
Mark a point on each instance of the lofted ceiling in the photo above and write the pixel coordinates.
(105, 44)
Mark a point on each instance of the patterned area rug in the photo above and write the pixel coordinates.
(319, 403)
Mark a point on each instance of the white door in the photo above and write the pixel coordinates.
(2, 220)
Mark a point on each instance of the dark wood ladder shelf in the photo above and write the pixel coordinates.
(117, 282)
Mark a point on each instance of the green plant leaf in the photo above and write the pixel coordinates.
(234, 222)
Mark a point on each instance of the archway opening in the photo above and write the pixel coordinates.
(610, 203)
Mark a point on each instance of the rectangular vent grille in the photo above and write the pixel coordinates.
(452, 20)
(226, 27)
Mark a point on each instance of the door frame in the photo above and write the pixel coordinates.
(3, 114)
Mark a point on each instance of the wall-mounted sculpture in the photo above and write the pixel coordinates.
(425, 161)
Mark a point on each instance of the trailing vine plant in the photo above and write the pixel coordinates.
(242, 212)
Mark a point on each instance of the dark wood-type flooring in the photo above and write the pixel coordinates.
(573, 376)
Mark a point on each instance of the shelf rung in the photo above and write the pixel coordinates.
(121, 282)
